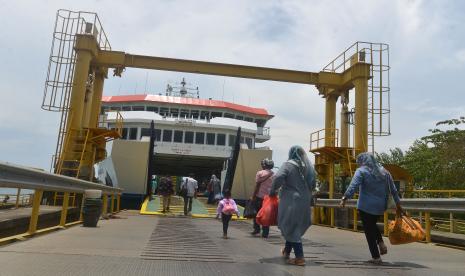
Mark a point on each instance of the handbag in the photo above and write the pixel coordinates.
(250, 211)
(405, 230)
(268, 214)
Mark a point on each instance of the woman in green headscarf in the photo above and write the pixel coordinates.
(296, 178)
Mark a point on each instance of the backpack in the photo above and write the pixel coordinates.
(228, 207)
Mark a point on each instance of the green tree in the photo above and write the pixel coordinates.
(395, 156)
(437, 161)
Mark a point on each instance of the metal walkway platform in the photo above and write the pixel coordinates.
(157, 245)
(200, 208)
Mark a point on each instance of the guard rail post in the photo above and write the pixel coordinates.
(112, 204)
(82, 207)
(105, 204)
(386, 224)
(18, 194)
(118, 202)
(35, 211)
(428, 226)
(355, 219)
(64, 209)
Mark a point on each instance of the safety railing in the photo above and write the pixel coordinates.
(425, 206)
(14, 176)
(318, 138)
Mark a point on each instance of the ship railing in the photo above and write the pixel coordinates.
(44, 185)
(418, 208)
(263, 131)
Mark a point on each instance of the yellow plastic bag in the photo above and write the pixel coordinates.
(405, 230)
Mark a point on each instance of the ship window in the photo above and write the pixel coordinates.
(216, 114)
(178, 136)
(249, 142)
(204, 114)
(144, 132)
(229, 115)
(167, 134)
(248, 119)
(260, 122)
(157, 134)
(152, 108)
(174, 112)
(189, 137)
(124, 134)
(195, 114)
(115, 108)
(200, 138)
(138, 108)
(133, 133)
(242, 140)
(210, 138)
(232, 140)
(221, 139)
(184, 113)
(126, 108)
(164, 111)
(239, 117)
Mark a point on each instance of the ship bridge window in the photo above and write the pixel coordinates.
(178, 136)
(195, 114)
(248, 119)
(152, 108)
(216, 114)
(210, 138)
(133, 133)
(184, 113)
(167, 134)
(157, 134)
(204, 114)
(174, 112)
(124, 135)
(189, 137)
(200, 138)
(249, 142)
(240, 117)
(138, 108)
(221, 139)
(144, 132)
(164, 111)
(232, 140)
(126, 108)
(260, 122)
(115, 108)
(228, 115)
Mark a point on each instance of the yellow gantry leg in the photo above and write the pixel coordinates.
(112, 204)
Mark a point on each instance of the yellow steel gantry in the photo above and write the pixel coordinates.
(91, 59)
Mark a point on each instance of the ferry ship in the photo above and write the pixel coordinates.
(192, 135)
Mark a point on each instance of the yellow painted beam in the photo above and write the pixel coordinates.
(428, 226)
(112, 204)
(105, 204)
(115, 59)
(118, 203)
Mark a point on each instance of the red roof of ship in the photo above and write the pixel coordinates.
(185, 101)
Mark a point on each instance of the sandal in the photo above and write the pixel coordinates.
(296, 261)
(284, 253)
(376, 261)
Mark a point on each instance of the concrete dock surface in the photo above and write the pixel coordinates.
(151, 245)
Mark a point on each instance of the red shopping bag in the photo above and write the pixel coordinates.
(268, 214)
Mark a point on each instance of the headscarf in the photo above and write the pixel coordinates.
(298, 155)
(367, 160)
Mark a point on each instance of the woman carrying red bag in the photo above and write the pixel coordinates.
(296, 178)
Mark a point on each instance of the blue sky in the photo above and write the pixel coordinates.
(427, 56)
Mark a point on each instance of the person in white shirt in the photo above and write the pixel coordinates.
(191, 185)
